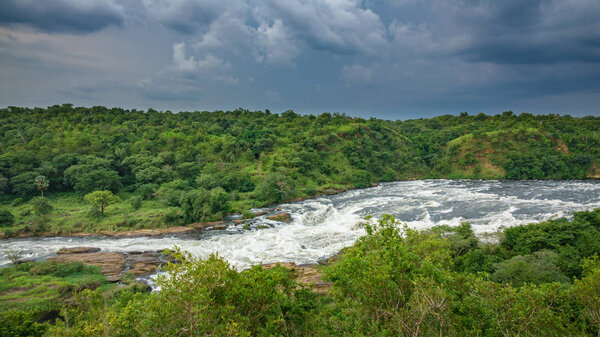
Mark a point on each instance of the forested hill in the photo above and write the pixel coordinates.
(254, 158)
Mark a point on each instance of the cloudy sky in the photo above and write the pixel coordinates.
(392, 59)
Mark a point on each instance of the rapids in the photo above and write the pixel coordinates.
(322, 226)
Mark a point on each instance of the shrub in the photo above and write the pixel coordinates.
(14, 255)
(6, 218)
(173, 215)
(146, 190)
(362, 179)
(539, 267)
(275, 187)
(41, 206)
(136, 202)
(204, 205)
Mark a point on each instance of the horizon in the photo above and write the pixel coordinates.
(393, 59)
(279, 113)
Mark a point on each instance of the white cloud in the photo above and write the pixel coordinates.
(336, 26)
(208, 67)
(274, 44)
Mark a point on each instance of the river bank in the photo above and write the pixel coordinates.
(323, 226)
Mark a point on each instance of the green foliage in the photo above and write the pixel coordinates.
(6, 218)
(362, 179)
(42, 183)
(261, 157)
(539, 267)
(246, 214)
(146, 191)
(101, 199)
(136, 202)
(17, 323)
(274, 187)
(587, 291)
(394, 281)
(204, 205)
(24, 184)
(198, 298)
(170, 193)
(41, 206)
(570, 240)
(173, 215)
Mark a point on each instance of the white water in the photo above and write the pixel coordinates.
(323, 226)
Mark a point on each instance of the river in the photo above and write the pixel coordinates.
(322, 226)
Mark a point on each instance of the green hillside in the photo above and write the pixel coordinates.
(175, 168)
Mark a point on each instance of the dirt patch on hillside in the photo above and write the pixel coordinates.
(489, 169)
(561, 146)
(594, 172)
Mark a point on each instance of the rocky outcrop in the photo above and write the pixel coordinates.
(207, 225)
(113, 264)
(78, 250)
(143, 263)
(307, 274)
(281, 217)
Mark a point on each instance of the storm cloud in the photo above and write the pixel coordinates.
(64, 16)
(392, 59)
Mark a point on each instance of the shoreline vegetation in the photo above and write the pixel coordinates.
(66, 169)
(539, 279)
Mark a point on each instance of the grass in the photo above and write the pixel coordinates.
(71, 215)
(45, 285)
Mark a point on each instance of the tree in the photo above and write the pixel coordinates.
(202, 205)
(98, 179)
(587, 291)
(275, 187)
(24, 183)
(42, 183)
(101, 199)
(539, 267)
(3, 184)
(6, 218)
(146, 190)
(41, 206)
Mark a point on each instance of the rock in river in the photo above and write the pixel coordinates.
(113, 264)
(282, 217)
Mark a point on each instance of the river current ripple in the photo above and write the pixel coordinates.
(322, 226)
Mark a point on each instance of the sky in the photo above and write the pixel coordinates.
(391, 59)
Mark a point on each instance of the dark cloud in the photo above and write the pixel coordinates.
(63, 16)
(391, 58)
(528, 32)
(188, 16)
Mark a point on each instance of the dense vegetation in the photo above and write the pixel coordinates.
(538, 280)
(166, 169)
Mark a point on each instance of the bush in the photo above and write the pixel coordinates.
(41, 206)
(246, 214)
(204, 205)
(275, 187)
(170, 193)
(173, 215)
(6, 218)
(539, 267)
(362, 179)
(147, 190)
(136, 202)
(21, 323)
